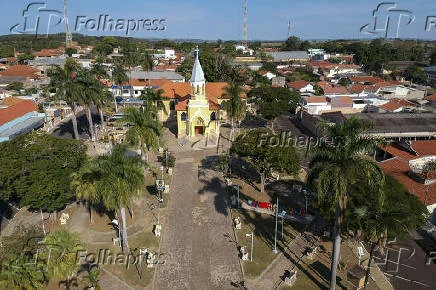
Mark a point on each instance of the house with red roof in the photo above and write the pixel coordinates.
(301, 86)
(18, 117)
(314, 105)
(431, 99)
(331, 90)
(396, 105)
(407, 161)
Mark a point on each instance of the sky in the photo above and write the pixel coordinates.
(223, 19)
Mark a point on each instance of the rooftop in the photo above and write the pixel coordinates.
(20, 71)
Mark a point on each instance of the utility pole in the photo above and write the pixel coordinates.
(43, 226)
(275, 233)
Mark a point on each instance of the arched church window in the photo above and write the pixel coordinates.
(198, 89)
(213, 116)
(183, 116)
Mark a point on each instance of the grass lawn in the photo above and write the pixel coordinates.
(263, 227)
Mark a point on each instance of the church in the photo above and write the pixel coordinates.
(197, 103)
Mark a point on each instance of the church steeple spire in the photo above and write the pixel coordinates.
(197, 78)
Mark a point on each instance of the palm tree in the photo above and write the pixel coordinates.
(119, 77)
(146, 129)
(64, 81)
(121, 178)
(83, 182)
(234, 106)
(155, 99)
(17, 275)
(92, 278)
(99, 72)
(61, 254)
(337, 166)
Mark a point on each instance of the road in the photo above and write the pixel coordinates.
(198, 255)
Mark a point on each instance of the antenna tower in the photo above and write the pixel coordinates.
(68, 35)
(289, 29)
(244, 34)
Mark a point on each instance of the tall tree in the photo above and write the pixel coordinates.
(337, 166)
(119, 77)
(146, 128)
(121, 176)
(42, 164)
(154, 99)
(61, 255)
(234, 106)
(17, 275)
(65, 84)
(83, 183)
(259, 148)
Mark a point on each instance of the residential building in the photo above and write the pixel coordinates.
(431, 100)
(397, 105)
(431, 75)
(314, 105)
(18, 117)
(406, 161)
(301, 86)
(288, 56)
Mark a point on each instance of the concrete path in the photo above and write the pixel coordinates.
(197, 253)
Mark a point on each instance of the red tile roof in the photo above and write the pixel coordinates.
(20, 71)
(182, 92)
(384, 84)
(316, 99)
(297, 85)
(329, 89)
(17, 110)
(50, 52)
(399, 169)
(431, 98)
(422, 147)
(342, 100)
(357, 88)
(396, 104)
(11, 101)
(322, 65)
(366, 79)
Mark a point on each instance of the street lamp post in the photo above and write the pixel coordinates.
(252, 238)
(237, 188)
(43, 226)
(275, 233)
(162, 170)
(305, 197)
(283, 213)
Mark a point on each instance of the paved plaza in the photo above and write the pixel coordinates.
(198, 255)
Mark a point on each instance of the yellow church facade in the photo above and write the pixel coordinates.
(197, 103)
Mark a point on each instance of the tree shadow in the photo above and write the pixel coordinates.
(65, 129)
(213, 185)
(6, 214)
(171, 124)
